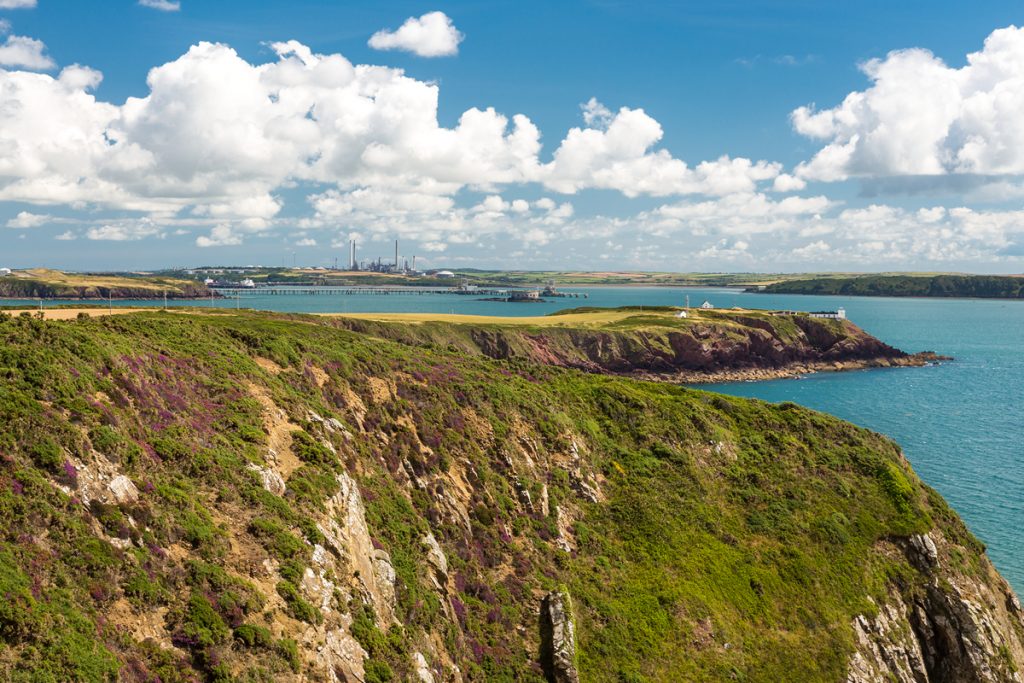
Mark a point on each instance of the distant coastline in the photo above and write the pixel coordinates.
(1006, 287)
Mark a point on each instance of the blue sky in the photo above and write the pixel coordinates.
(903, 178)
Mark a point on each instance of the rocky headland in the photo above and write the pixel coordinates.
(263, 497)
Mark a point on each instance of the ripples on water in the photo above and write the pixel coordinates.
(961, 424)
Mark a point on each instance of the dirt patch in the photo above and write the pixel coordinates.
(269, 365)
(319, 376)
(380, 389)
(279, 432)
(142, 625)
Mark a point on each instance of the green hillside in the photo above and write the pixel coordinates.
(260, 497)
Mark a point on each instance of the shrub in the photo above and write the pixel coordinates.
(48, 455)
(254, 636)
(297, 605)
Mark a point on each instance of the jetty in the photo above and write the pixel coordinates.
(343, 290)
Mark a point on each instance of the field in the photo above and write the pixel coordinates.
(51, 284)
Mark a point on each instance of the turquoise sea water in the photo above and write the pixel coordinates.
(961, 424)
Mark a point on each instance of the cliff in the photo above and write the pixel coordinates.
(707, 346)
(257, 497)
(42, 283)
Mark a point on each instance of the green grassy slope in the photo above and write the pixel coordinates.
(978, 286)
(54, 284)
(701, 537)
(648, 341)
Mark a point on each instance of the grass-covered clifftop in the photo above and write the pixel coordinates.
(42, 283)
(708, 345)
(945, 285)
(257, 497)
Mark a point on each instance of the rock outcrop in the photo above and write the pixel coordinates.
(949, 627)
(558, 638)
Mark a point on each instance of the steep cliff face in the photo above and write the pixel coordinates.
(945, 627)
(709, 346)
(261, 498)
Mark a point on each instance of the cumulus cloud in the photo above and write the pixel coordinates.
(17, 4)
(124, 231)
(25, 52)
(217, 138)
(220, 236)
(923, 117)
(26, 219)
(431, 35)
(162, 5)
(616, 151)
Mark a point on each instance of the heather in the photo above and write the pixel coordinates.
(701, 537)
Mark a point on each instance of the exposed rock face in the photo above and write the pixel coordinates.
(347, 536)
(123, 490)
(271, 480)
(730, 348)
(558, 638)
(956, 628)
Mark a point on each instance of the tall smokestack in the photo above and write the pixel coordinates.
(396, 255)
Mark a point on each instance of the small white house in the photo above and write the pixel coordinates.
(707, 305)
(444, 273)
(838, 314)
(682, 314)
(4, 272)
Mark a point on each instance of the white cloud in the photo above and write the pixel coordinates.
(618, 154)
(17, 4)
(306, 242)
(595, 114)
(431, 35)
(124, 231)
(26, 219)
(162, 5)
(5, 26)
(25, 52)
(220, 236)
(923, 117)
(66, 236)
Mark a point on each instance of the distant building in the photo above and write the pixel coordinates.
(444, 273)
(707, 305)
(4, 272)
(838, 314)
(682, 314)
(247, 283)
(528, 295)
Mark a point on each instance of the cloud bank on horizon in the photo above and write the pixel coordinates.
(218, 142)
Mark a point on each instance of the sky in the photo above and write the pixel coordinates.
(585, 134)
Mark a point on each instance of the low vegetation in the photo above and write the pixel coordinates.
(701, 537)
(976, 286)
(42, 283)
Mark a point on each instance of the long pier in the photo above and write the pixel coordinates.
(328, 290)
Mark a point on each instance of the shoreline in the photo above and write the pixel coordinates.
(794, 370)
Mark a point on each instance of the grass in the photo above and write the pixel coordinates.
(46, 283)
(718, 520)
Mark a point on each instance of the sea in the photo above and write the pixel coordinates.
(961, 423)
